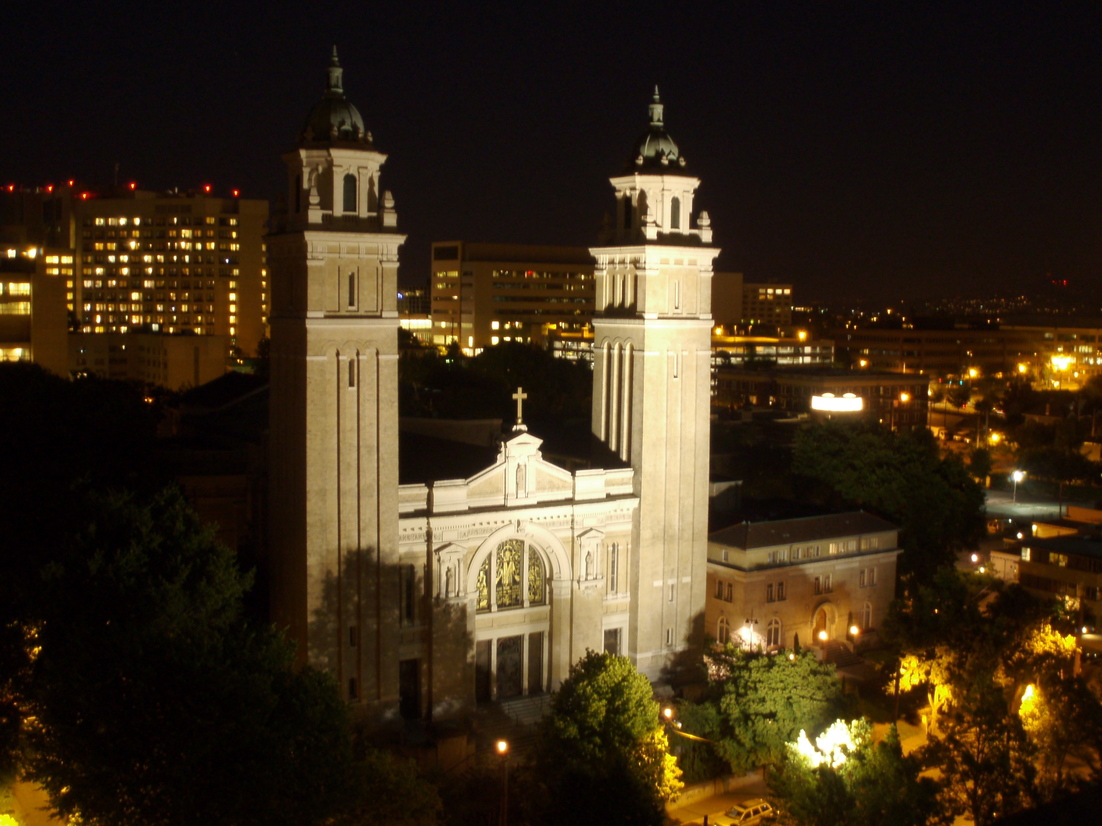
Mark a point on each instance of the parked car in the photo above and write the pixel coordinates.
(744, 814)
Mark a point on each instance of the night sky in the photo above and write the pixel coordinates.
(852, 149)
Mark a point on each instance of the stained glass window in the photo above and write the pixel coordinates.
(483, 603)
(509, 560)
(518, 578)
(535, 579)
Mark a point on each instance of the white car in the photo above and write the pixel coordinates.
(746, 813)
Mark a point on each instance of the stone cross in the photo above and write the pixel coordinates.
(520, 396)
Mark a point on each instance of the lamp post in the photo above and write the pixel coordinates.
(750, 623)
(1017, 476)
(503, 750)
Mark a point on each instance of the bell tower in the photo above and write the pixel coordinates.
(652, 385)
(333, 255)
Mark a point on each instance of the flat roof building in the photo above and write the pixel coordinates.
(483, 294)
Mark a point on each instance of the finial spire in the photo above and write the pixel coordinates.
(335, 88)
(655, 108)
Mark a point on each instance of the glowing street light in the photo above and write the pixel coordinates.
(1017, 476)
(502, 747)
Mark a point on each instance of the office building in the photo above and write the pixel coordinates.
(483, 294)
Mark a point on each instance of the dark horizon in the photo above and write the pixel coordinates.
(855, 151)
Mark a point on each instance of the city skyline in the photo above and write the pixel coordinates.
(853, 151)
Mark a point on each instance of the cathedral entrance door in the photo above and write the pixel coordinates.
(510, 667)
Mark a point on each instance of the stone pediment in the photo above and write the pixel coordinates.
(521, 476)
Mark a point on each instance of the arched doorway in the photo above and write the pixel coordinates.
(512, 620)
(822, 623)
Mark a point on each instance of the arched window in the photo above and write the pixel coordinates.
(627, 212)
(298, 193)
(866, 616)
(723, 631)
(350, 193)
(675, 213)
(773, 633)
(517, 575)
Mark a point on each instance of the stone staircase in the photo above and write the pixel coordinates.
(840, 654)
(513, 720)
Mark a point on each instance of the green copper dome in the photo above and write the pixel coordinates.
(334, 118)
(655, 150)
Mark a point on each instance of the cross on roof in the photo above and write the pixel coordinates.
(520, 396)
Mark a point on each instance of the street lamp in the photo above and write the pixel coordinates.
(750, 623)
(1017, 476)
(503, 750)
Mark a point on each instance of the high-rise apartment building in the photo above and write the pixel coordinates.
(138, 261)
(33, 324)
(484, 294)
(173, 263)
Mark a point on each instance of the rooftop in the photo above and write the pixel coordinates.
(748, 535)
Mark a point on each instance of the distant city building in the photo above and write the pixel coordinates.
(414, 315)
(137, 261)
(1059, 355)
(173, 263)
(173, 361)
(767, 304)
(1061, 558)
(33, 322)
(736, 302)
(807, 581)
(933, 352)
(896, 400)
(483, 294)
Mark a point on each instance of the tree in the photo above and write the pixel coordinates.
(150, 700)
(764, 700)
(1063, 720)
(603, 754)
(979, 463)
(846, 778)
(902, 477)
(389, 789)
(983, 754)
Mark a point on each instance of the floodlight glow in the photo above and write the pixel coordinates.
(1061, 362)
(828, 402)
(832, 747)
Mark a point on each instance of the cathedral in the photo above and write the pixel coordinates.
(428, 598)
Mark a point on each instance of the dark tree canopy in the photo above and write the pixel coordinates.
(902, 477)
(603, 754)
(153, 702)
(132, 686)
(764, 700)
(874, 784)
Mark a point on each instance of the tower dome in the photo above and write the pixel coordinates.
(334, 118)
(655, 150)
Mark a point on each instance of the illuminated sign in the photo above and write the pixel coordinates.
(847, 403)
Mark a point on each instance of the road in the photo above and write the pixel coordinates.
(1028, 507)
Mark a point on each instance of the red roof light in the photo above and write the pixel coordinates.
(206, 188)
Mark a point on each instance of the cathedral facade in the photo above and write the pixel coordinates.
(426, 599)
